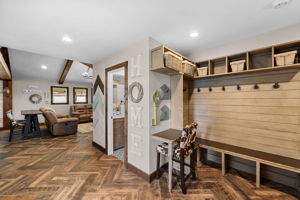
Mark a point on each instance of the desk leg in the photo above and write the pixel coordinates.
(170, 152)
(27, 126)
(36, 126)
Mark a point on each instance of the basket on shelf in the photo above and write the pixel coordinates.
(237, 66)
(287, 58)
(188, 68)
(172, 61)
(202, 71)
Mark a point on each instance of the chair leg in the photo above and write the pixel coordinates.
(183, 188)
(157, 165)
(11, 132)
(193, 164)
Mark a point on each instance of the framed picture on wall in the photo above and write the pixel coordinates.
(59, 95)
(80, 95)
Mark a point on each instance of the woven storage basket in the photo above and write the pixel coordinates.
(173, 61)
(202, 71)
(287, 58)
(237, 66)
(188, 68)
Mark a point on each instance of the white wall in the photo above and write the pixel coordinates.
(287, 34)
(21, 99)
(138, 137)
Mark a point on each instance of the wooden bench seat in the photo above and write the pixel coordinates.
(257, 156)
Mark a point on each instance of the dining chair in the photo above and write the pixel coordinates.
(186, 147)
(13, 123)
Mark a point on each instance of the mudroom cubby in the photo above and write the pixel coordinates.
(241, 59)
(202, 68)
(293, 48)
(261, 58)
(218, 66)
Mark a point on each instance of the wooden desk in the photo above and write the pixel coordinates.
(32, 126)
(169, 136)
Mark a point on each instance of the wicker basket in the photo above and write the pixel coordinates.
(237, 66)
(202, 71)
(287, 58)
(173, 61)
(188, 68)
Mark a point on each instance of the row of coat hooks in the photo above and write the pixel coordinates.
(238, 87)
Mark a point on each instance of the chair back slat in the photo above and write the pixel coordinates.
(11, 118)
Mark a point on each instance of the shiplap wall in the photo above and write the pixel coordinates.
(265, 119)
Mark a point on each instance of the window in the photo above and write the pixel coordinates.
(59, 95)
(80, 95)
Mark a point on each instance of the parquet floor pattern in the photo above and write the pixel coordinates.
(71, 168)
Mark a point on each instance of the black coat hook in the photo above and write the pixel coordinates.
(210, 89)
(223, 88)
(238, 87)
(256, 86)
(199, 90)
(184, 89)
(276, 85)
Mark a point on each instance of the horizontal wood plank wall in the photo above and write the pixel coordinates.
(265, 119)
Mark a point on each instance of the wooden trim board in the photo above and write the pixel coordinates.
(103, 150)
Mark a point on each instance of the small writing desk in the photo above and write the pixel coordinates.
(32, 126)
(169, 136)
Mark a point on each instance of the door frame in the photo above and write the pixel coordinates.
(118, 66)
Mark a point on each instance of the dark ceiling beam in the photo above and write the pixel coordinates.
(4, 51)
(5, 71)
(87, 64)
(65, 71)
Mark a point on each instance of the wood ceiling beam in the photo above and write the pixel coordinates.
(65, 71)
(87, 64)
(5, 71)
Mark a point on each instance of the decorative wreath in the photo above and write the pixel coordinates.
(35, 98)
(140, 94)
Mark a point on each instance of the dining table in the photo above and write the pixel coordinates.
(32, 126)
(170, 136)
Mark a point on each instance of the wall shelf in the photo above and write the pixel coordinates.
(158, 61)
(267, 69)
(258, 60)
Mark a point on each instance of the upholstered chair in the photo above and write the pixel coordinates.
(185, 148)
(13, 124)
(60, 126)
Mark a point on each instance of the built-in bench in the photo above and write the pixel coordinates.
(249, 154)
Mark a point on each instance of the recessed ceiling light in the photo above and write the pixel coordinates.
(44, 67)
(194, 34)
(67, 39)
(280, 3)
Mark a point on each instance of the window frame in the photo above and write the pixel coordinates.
(74, 96)
(51, 92)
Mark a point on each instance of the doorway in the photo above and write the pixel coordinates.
(116, 110)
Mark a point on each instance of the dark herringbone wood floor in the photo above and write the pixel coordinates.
(71, 168)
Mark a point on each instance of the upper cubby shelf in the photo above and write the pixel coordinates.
(167, 61)
(278, 57)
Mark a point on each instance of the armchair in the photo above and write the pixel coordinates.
(60, 126)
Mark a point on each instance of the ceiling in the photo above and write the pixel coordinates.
(26, 65)
(100, 28)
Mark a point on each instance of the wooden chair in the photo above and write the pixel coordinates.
(185, 148)
(14, 124)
